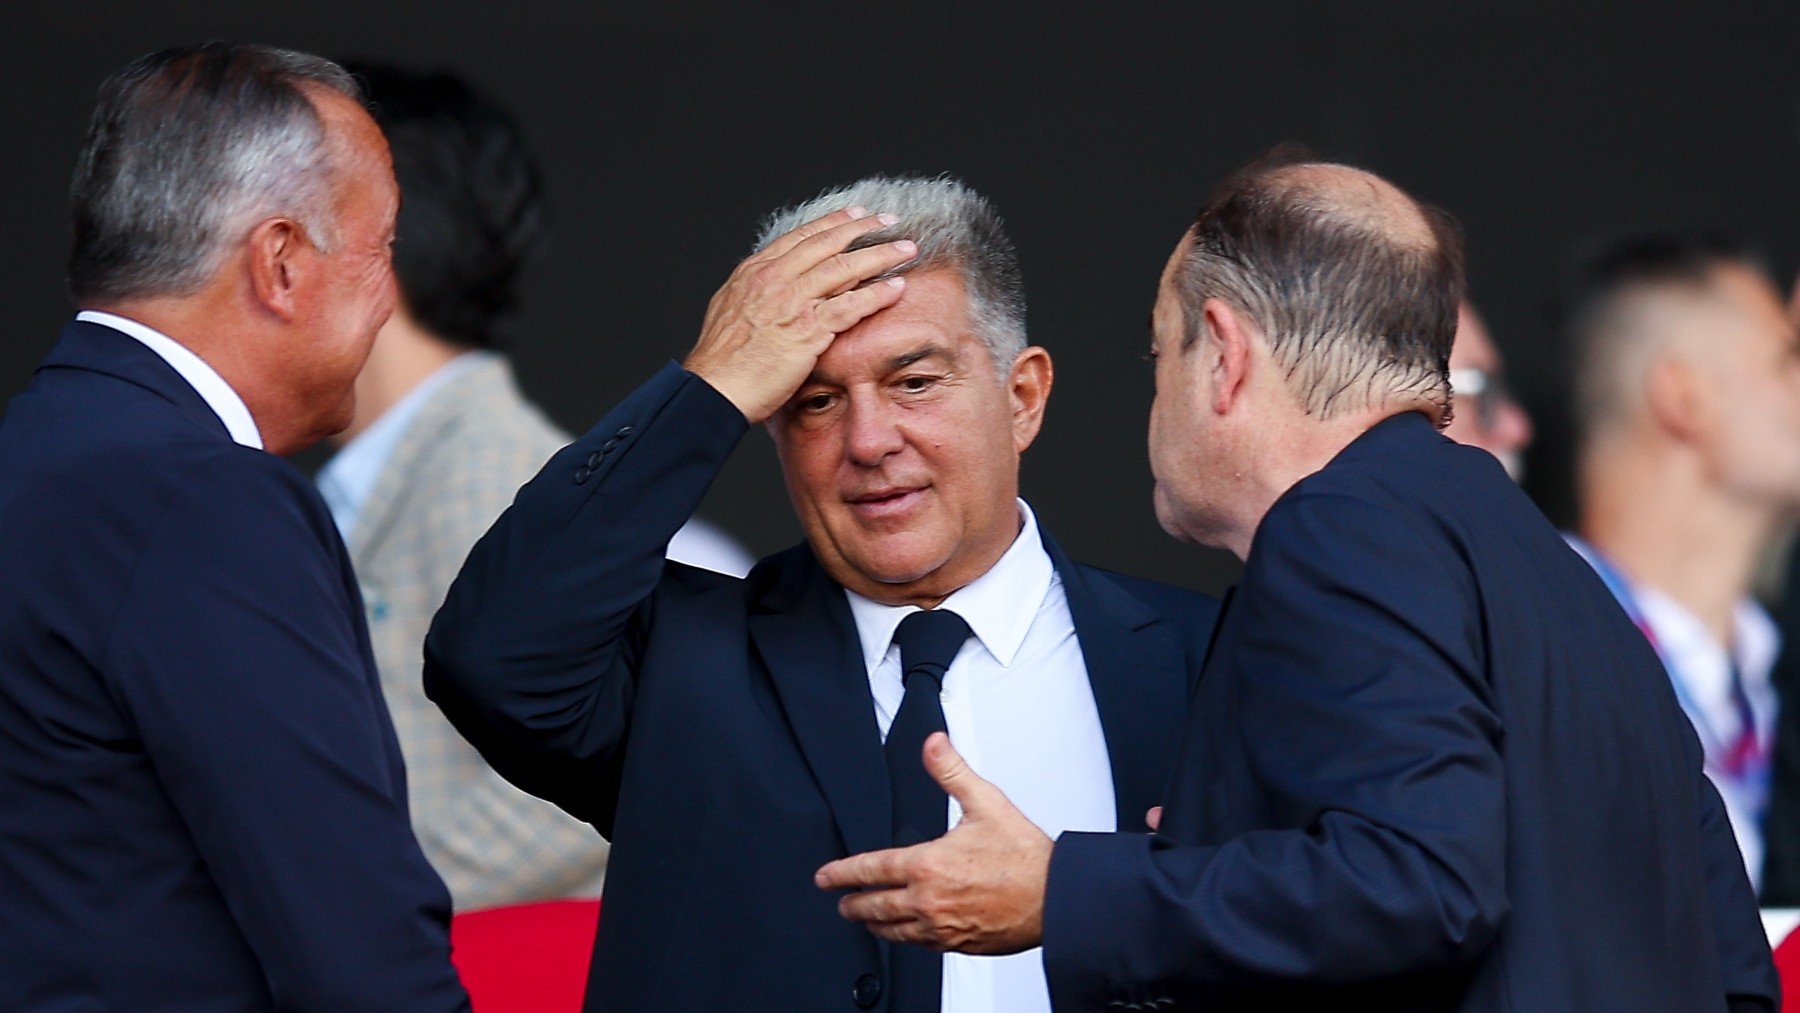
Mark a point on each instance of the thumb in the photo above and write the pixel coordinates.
(952, 774)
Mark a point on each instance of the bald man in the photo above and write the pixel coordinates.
(1486, 415)
(1688, 470)
(1430, 764)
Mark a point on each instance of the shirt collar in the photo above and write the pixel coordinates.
(349, 477)
(206, 381)
(1756, 640)
(990, 603)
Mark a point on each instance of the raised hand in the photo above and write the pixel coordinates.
(977, 889)
(777, 313)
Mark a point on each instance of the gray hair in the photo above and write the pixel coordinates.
(187, 149)
(955, 228)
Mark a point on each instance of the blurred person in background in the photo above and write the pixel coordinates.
(1486, 415)
(1781, 828)
(204, 802)
(441, 440)
(1687, 380)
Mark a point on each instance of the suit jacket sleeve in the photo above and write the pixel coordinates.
(532, 656)
(237, 654)
(1371, 731)
(1751, 983)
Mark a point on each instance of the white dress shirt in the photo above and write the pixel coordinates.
(1700, 669)
(1019, 709)
(206, 381)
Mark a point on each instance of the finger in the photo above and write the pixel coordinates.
(1153, 818)
(815, 249)
(841, 272)
(793, 237)
(842, 312)
(877, 906)
(944, 763)
(871, 868)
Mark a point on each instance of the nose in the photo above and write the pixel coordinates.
(872, 430)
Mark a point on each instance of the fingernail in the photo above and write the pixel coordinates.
(907, 247)
(886, 219)
(857, 211)
(897, 282)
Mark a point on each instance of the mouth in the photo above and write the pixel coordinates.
(885, 503)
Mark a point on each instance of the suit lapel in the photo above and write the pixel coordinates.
(1136, 668)
(804, 633)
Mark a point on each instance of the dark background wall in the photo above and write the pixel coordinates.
(667, 129)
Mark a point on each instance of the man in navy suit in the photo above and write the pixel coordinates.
(731, 735)
(202, 805)
(1430, 765)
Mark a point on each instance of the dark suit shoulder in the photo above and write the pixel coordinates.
(1193, 612)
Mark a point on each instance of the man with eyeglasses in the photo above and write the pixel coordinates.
(1486, 414)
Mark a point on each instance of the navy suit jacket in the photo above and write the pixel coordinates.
(202, 805)
(1431, 766)
(721, 731)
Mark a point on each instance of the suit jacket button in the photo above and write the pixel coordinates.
(867, 991)
(582, 473)
(594, 459)
(623, 432)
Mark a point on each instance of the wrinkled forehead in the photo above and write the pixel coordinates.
(930, 322)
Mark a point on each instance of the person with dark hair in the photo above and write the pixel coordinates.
(441, 440)
(731, 735)
(204, 803)
(1430, 764)
(1687, 379)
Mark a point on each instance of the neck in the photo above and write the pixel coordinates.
(1651, 511)
(404, 356)
(1301, 447)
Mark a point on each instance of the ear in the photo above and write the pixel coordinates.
(1228, 333)
(1678, 399)
(278, 264)
(1029, 387)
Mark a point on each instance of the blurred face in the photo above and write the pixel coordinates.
(1753, 440)
(348, 293)
(1486, 414)
(901, 450)
(1184, 436)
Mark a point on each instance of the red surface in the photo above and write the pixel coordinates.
(1787, 961)
(527, 958)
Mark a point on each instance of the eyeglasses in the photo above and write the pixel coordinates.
(1484, 390)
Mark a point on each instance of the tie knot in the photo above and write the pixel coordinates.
(929, 641)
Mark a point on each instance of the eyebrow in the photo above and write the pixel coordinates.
(910, 358)
(898, 362)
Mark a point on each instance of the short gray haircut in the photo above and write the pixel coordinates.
(955, 228)
(187, 149)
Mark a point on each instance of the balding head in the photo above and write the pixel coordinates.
(1353, 284)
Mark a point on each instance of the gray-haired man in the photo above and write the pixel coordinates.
(727, 735)
(204, 806)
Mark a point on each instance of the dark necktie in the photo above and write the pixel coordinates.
(928, 641)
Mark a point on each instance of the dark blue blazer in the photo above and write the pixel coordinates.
(721, 731)
(202, 805)
(1431, 766)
